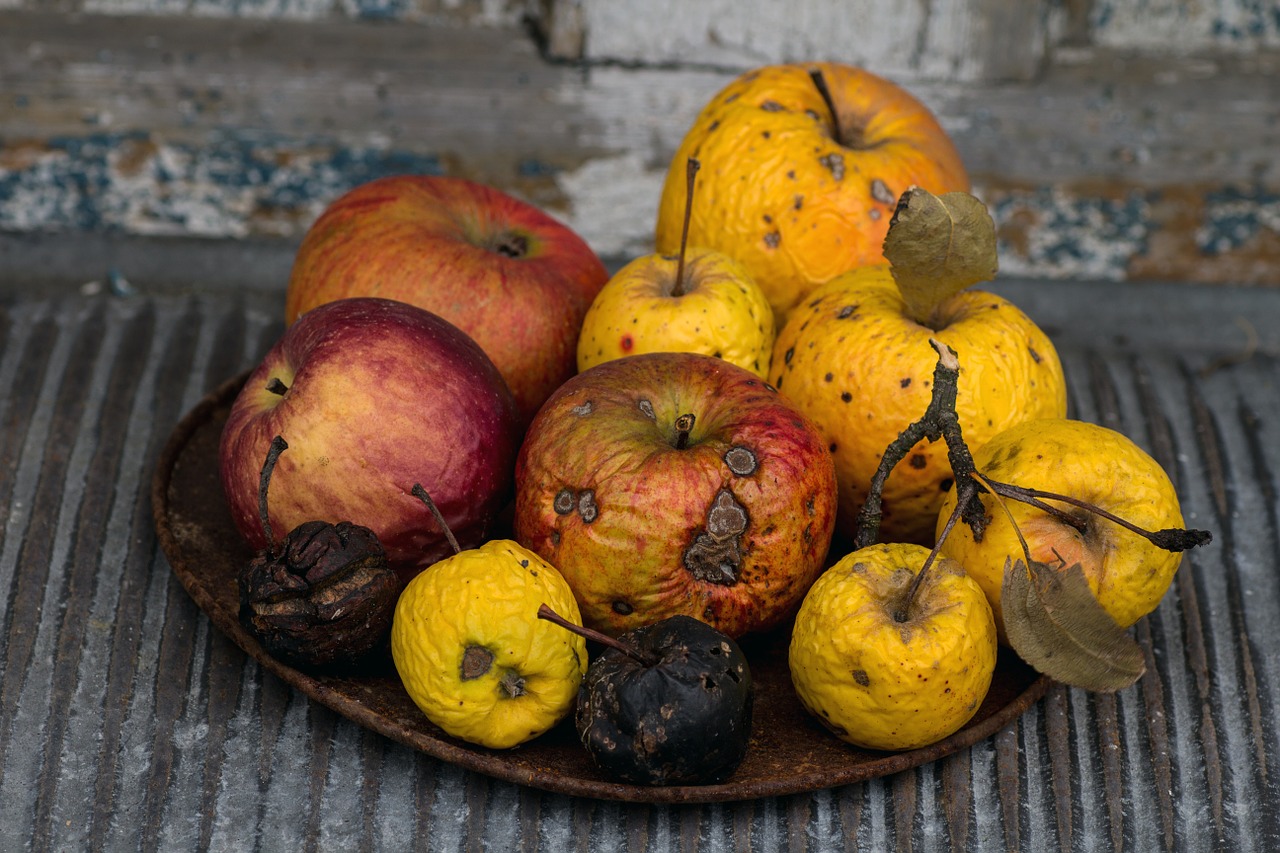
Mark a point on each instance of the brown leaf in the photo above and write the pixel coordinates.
(1054, 623)
(937, 246)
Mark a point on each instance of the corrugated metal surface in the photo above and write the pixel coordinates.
(127, 723)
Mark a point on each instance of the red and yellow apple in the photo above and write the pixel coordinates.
(373, 396)
(502, 270)
(676, 484)
(799, 186)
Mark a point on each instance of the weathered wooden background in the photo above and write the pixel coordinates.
(1112, 139)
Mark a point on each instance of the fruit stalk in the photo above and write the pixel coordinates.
(421, 494)
(691, 174)
(278, 446)
(545, 612)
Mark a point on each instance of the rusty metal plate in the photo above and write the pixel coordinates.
(788, 752)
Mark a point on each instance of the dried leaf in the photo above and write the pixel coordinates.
(937, 246)
(1054, 623)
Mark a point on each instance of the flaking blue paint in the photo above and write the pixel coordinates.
(135, 183)
(1236, 215)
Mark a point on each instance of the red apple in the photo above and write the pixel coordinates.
(676, 483)
(502, 270)
(373, 396)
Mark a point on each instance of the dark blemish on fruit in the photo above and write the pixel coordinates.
(772, 107)
(741, 460)
(715, 124)
(788, 355)
(768, 219)
(813, 115)
(582, 409)
(646, 408)
(587, 507)
(918, 461)
(772, 239)
(846, 396)
(835, 163)
(524, 564)
(791, 173)
(780, 378)
(829, 377)
(874, 214)
(905, 382)
(622, 608)
(476, 661)
(860, 676)
(715, 556)
(1035, 356)
(945, 485)
(880, 192)
(797, 203)
(766, 134)
(564, 502)
(846, 312)
(832, 447)
(626, 343)
(769, 387)
(555, 537)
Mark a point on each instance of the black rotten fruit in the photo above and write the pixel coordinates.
(666, 704)
(325, 596)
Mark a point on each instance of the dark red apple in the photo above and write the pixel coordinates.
(502, 270)
(676, 484)
(373, 396)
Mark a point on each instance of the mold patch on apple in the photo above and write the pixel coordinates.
(741, 460)
(716, 555)
(587, 507)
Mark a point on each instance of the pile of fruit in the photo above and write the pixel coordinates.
(552, 493)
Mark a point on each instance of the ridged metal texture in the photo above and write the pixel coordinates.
(127, 723)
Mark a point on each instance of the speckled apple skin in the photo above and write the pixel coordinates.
(435, 242)
(381, 395)
(639, 503)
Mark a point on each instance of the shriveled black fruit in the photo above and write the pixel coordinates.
(678, 711)
(326, 597)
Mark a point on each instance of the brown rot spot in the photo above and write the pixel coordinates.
(905, 382)
(835, 163)
(622, 608)
(846, 397)
(646, 408)
(555, 537)
(772, 239)
(798, 202)
(587, 507)
(832, 447)
(772, 107)
(874, 214)
(860, 676)
(715, 556)
(918, 461)
(627, 343)
(791, 173)
(829, 377)
(476, 661)
(1035, 356)
(788, 355)
(769, 387)
(880, 192)
(582, 409)
(846, 312)
(564, 502)
(945, 485)
(741, 460)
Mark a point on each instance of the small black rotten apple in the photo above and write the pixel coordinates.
(325, 597)
(665, 704)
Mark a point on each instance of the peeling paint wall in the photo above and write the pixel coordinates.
(1114, 140)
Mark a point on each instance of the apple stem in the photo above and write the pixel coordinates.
(276, 386)
(967, 491)
(684, 426)
(278, 446)
(422, 495)
(545, 612)
(691, 173)
(820, 83)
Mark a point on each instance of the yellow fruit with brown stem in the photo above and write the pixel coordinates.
(803, 166)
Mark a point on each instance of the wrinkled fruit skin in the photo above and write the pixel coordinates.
(882, 684)
(731, 529)
(854, 361)
(509, 275)
(722, 313)
(780, 195)
(326, 597)
(684, 720)
(1127, 574)
(473, 654)
(381, 395)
